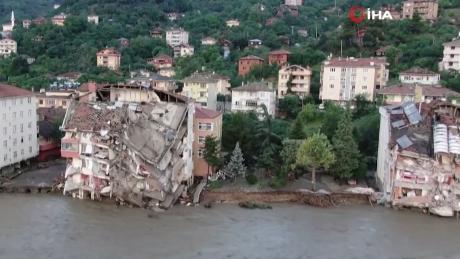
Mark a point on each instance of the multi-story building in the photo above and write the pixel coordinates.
(204, 87)
(451, 56)
(54, 99)
(417, 93)
(293, 2)
(417, 75)
(138, 152)
(26, 23)
(252, 96)
(279, 57)
(344, 78)
(295, 79)
(183, 50)
(8, 47)
(59, 19)
(93, 19)
(417, 163)
(18, 125)
(156, 33)
(233, 23)
(427, 9)
(176, 37)
(246, 64)
(206, 122)
(109, 58)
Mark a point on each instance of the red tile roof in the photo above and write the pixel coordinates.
(280, 52)
(13, 91)
(204, 113)
(251, 57)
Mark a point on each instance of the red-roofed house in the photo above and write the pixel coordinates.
(161, 61)
(279, 57)
(18, 126)
(206, 122)
(246, 64)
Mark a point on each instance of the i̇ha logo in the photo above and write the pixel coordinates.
(358, 14)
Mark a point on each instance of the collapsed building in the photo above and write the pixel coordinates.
(419, 156)
(132, 144)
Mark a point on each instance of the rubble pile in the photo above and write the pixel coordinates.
(137, 153)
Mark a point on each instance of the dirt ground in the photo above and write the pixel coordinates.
(40, 177)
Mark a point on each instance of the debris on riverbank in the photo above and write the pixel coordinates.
(254, 205)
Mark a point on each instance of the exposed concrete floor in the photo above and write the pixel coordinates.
(43, 177)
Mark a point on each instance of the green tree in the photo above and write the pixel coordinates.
(211, 153)
(235, 166)
(290, 105)
(345, 149)
(269, 142)
(314, 153)
(297, 130)
(289, 153)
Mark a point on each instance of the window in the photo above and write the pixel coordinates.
(332, 69)
(204, 126)
(331, 86)
(4, 130)
(14, 129)
(15, 154)
(452, 47)
(5, 143)
(201, 152)
(22, 151)
(452, 55)
(5, 157)
(15, 142)
(64, 103)
(251, 103)
(364, 87)
(201, 139)
(29, 100)
(30, 125)
(22, 127)
(202, 94)
(40, 101)
(30, 112)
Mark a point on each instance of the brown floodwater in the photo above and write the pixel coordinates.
(52, 227)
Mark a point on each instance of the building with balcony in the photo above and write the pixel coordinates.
(451, 56)
(344, 78)
(109, 58)
(183, 50)
(18, 126)
(294, 79)
(427, 9)
(246, 64)
(252, 97)
(176, 37)
(206, 122)
(161, 61)
(204, 87)
(8, 47)
(54, 98)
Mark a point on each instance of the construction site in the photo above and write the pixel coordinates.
(419, 156)
(130, 143)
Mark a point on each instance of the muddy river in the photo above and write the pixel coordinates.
(56, 227)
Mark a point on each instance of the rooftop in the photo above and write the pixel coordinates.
(109, 51)
(254, 87)
(251, 57)
(204, 77)
(427, 90)
(204, 113)
(355, 62)
(13, 91)
(418, 71)
(280, 52)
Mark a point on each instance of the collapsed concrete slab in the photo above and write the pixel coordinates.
(140, 153)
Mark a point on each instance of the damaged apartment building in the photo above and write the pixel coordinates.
(419, 156)
(131, 143)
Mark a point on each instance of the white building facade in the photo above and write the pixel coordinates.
(299, 79)
(18, 125)
(418, 75)
(176, 37)
(344, 78)
(451, 56)
(252, 96)
(8, 47)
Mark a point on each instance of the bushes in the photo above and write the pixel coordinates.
(251, 179)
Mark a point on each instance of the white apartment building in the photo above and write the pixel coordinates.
(344, 78)
(250, 97)
(299, 79)
(7, 47)
(417, 75)
(176, 37)
(451, 56)
(18, 125)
